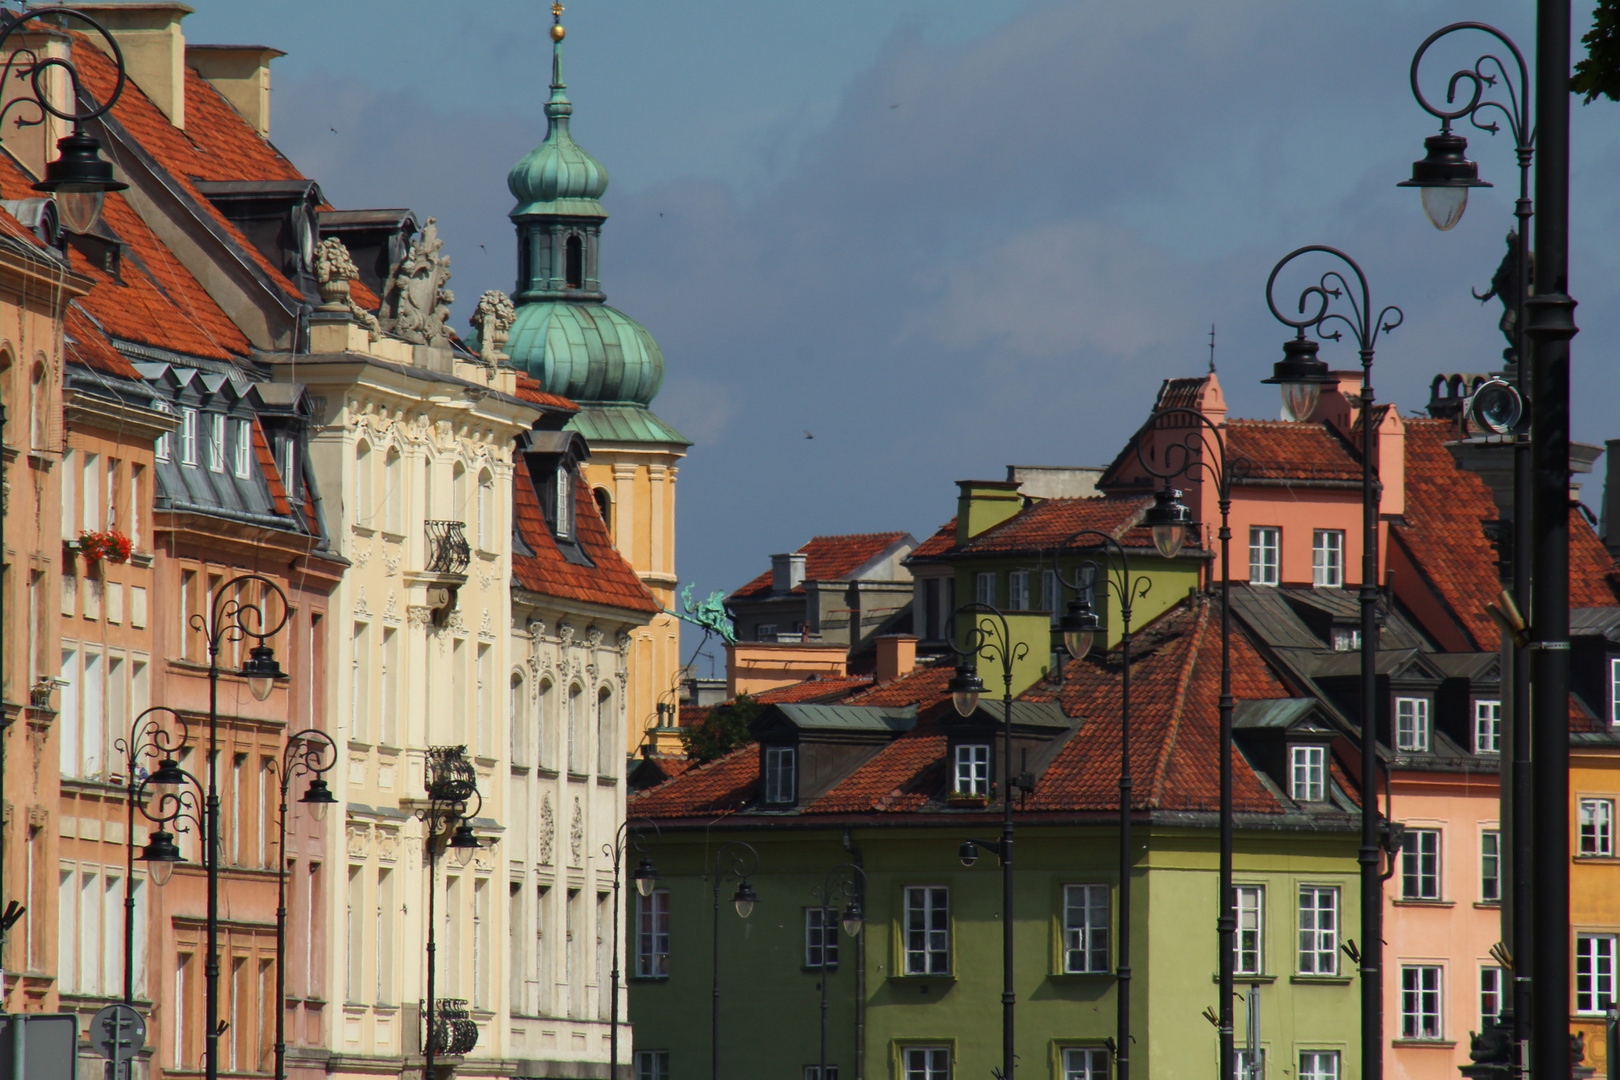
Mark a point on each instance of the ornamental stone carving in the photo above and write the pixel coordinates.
(548, 830)
(388, 845)
(417, 298)
(624, 644)
(565, 634)
(576, 836)
(419, 616)
(493, 319)
(359, 839)
(334, 269)
(593, 636)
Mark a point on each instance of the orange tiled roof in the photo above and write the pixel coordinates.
(1446, 507)
(610, 582)
(943, 540)
(1051, 522)
(87, 345)
(1286, 450)
(528, 388)
(827, 558)
(272, 473)
(814, 690)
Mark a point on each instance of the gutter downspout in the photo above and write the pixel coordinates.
(860, 962)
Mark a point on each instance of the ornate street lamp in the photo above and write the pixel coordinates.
(309, 753)
(1365, 328)
(991, 638)
(845, 882)
(78, 179)
(147, 738)
(645, 878)
(736, 861)
(451, 784)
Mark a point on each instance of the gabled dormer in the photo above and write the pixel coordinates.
(1290, 741)
(1409, 692)
(974, 745)
(554, 459)
(805, 750)
(1595, 662)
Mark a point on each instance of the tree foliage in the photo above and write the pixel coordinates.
(722, 731)
(1599, 74)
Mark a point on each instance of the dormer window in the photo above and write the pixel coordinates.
(563, 518)
(1307, 773)
(1346, 638)
(972, 769)
(1487, 726)
(1614, 690)
(188, 436)
(781, 774)
(1412, 725)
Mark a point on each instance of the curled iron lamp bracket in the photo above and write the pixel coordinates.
(1363, 327)
(1480, 79)
(25, 64)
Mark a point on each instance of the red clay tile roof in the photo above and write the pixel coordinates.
(272, 474)
(942, 541)
(814, 690)
(1446, 507)
(87, 345)
(1285, 450)
(715, 787)
(529, 389)
(1180, 393)
(1051, 522)
(611, 582)
(827, 558)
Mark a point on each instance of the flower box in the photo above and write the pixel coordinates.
(964, 800)
(111, 545)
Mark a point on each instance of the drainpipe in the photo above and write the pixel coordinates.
(860, 962)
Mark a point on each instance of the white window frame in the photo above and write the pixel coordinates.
(1249, 940)
(1487, 726)
(244, 448)
(1087, 936)
(1265, 555)
(925, 1063)
(1412, 731)
(652, 935)
(781, 774)
(1596, 817)
(1327, 558)
(1422, 1001)
(1614, 690)
(1492, 987)
(1307, 773)
(984, 587)
(926, 933)
(1595, 988)
(1490, 866)
(1346, 638)
(1318, 929)
(1243, 1070)
(972, 768)
(820, 937)
(1420, 865)
(564, 523)
(216, 442)
(1018, 590)
(1085, 1063)
(188, 436)
(1319, 1065)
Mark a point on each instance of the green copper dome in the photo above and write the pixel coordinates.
(587, 352)
(558, 176)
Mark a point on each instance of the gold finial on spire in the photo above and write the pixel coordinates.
(557, 30)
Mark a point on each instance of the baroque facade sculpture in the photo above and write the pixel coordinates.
(334, 269)
(416, 301)
(492, 319)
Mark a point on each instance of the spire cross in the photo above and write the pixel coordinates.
(556, 12)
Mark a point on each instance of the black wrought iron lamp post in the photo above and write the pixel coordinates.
(646, 878)
(736, 861)
(1202, 450)
(311, 753)
(991, 637)
(451, 784)
(1080, 627)
(230, 619)
(845, 882)
(147, 739)
(1301, 375)
(78, 179)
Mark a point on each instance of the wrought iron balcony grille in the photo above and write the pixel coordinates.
(448, 552)
(450, 776)
(453, 1029)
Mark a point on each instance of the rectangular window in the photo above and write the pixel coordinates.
(359, 677)
(652, 1065)
(927, 1063)
(1346, 638)
(1251, 911)
(1327, 557)
(484, 697)
(1420, 865)
(765, 631)
(216, 442)
(928, 935)
(355, 914)
(973, 769)
(813, 1072)
(67, 699)
(188, 436)
(1594, 973)
(1420, 1001)
(652, 934)
(779, 774)
(1050, 596)
(388, 683)
(565, 502)
(1085, 929)
(1250, 1067)
(67, 936)
(163, 446)
(1265, 555)
(1490, 865)
(1308, 773)
(1491, 987)
(91, 492)
(386, 912)
(1318, 930)
(1487, 727)
(1614, 690)
(985, 587)
(1085, 1063)
(1318, 1065)
(1018, 590)
(1597, 826)
(244, 448)
(820, 937)
(1412, 724)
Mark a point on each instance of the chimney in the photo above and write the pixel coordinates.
(896, 656)
(787, 571)
(148, 34)
(241, 74)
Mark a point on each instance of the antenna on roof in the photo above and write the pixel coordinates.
(1212, 348)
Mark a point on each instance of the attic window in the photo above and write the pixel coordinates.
(1346, 638)
(574, 262)
(1412, 724)
(604, 507)
(972, 769)
(563, 516)
(1307, 773)
(780, 773)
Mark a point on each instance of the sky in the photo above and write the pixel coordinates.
(942, 237)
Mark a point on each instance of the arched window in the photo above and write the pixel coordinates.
(458, 492)
(607, 742)
(574, 262)
(393, 511)
(486, 511)
(544, 727)
(516, 750)
(10, 392)
(604, 506)
(39, 415)
(362, 484)
(578, 750)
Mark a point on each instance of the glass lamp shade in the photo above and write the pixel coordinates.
(1444, 206)
(965, 687)
(463, 843)
(1079, 628)
(79, 181)
(318, 798)
(1299, 399)
(645, 877)
(80, 210)
(1168, 519)
(169, 775)
(160, 854)
(745, 899)
(1300, 375)
(261, 671)
(853, 920)
(160, 872)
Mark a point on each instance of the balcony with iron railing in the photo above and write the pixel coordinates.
(447, 548)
